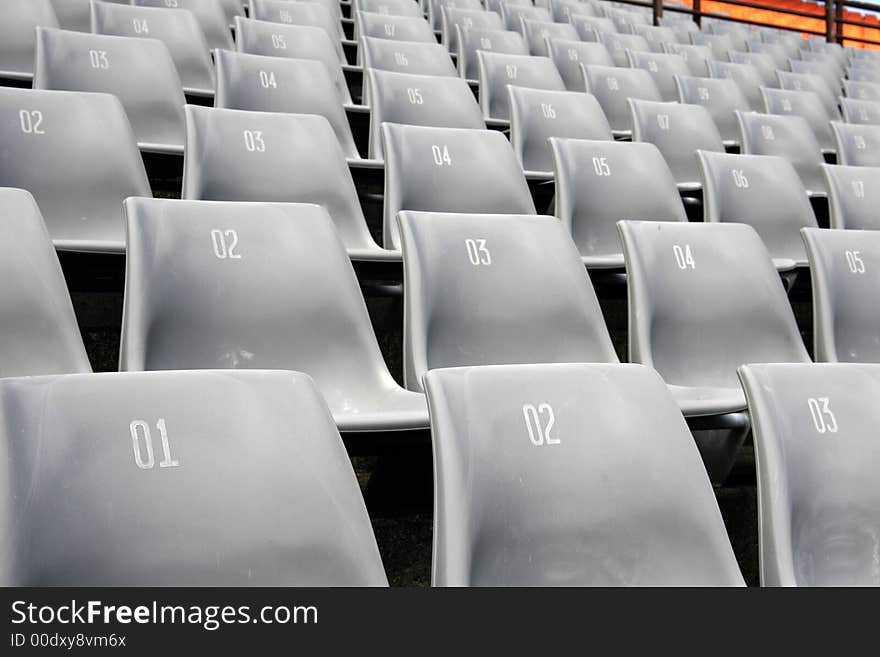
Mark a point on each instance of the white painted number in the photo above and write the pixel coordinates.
(140, 26)
(601, 166)
(401, 59)
(31, 122)
(441, 156)
(224, 243)
(267, 79)
(511, 71)
(663, 121)
(855, 262)
(539, 431)
(98, 59)
(142, 444)
(613, 84)
(253, 141)
(858, 187)
(415, 96)
(683, 256)
(548, 111)
(477, 252)
(739, 178)
(703, 92)
(389, 29)
(767, 131)
(278, 42)
(823, 418)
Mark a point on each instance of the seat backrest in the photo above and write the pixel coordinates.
(857, 110)
(806, 104)
(425, 100)
(395, 28)
(140, 72)
(589, 27)
(466, 18)
(618, 44)
(863, 74)
(279, 84)
(569, 55)
(564, 10)
(762, 191)
(436, 7)
(293, 41)
(815, 429)
(807, 82)
(763, 63)
(497, 71)
(775, 51)
(37, 323)
(655, 35)
(233, 155)
(537, 33)
(390, 7)
(475, 284)
(538, 114)
(210, 14)
(509, 438)
(746, 77)
(472, 40)
(44, 134)
(512, 15)
(696, 57)
(721, 96)
(20, 18)
(613, 87)
(678, 130)
(705, 298)
(450, 170)
(851, 195)
(663, 68)
(862, 90)
(789, 137)
(278, 503)
(411, 57)
(824, 70)
(73, 14)
(720, 44)
(857, 145)
(845, 267)
(325, 15)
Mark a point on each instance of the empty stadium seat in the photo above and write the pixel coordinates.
(857, 110)
(395, 28)
(497, 71)
(613, 87)
(764, 192)
(807, 82)
(19, 20)
(859, 74)
(678, 130)
(663, 68)
(251, 256)
(569, 55)
(513, 15)
(538, 114)
(619, 44)
(857, 145)
(589, 27)
(594, 190)
(845, 267)
(210, 14)
(77, 154)
(222, 479)
(465, 273)
(789, 137)
(862, 90)
(720, 44)
(816, 444)
(453, 17)
(38, 329)
(140, 72)
(696, 57)
(655, 35)
(435, 9)
(563, 440)
(852, 192)
(315, 14)
(390, 7)
(806, 104)
(425, 100)
(449, 170)
(762, 63)
(233, 155)
(746, 77)
(563, 10)
(827, 72)
(536, 34)
(472, 40)
(775, 51)
(411, 57)
(73, 14)
(179, 30)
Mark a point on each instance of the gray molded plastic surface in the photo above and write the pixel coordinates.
(282, 296)
(471, 40)
(77, 154)
(697, 57)
(764, 64)
(233, 155)
(764, 192)
(255, 488)
(293, 41)
(457, 313)
(863, 74)
(678, 130)
(853, 196)
(450, 170)
(512, 15)
(863, 90)
(720, 44)
(830, 74)
(625, 511)
(655, 35)
(594, 190)
(696, 324)
(467, 18)
(619, 44)
(37, 323)
(845, 266)
(590, 27)
(394, 28)
(663, 67)
(857, 145)
(747, 78)
(279, 84)
(537, 33)
(435, 9)
(538, 114)
(857, 110)
(179, 30)
(775, 51)
(613, 87)
(569, 55)
(390, 7)
(140, 72)
(210, 14)
(818, 498)
(19, 21)
(425, 100)
(498, 70)
(406, 57)
(807, 104)
(814, 83)
(316, 14)
(74, 14)
(563, 10)
(789, 137)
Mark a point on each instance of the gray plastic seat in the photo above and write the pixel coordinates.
(38, 328)
(450, 170)
(625, 20)
(315, 14)
(655, 35)
(594, 190)
(394, 28)
(513, 15)
(863, 74)
(293, 41)
(140, 72)
(720, 44)
(705, 298)
(845, 269)
(77, 154)
(762, 63)
(696, 57)
(233, 155)
(775, 51)
(857, 145)
(497, 71)
(475, 284)
(816, 445)
(390, 7)
(277, 84)
(807, 82)
(569, 55)
(589, 27)
(210, 14)
(452, 17)
(789, 137)
(181, 479)
(563, 11)
(678, 131)
(856, 110)
(283, 295)
(746, 77)
(613, 87)
(536, 34)
(853, 196)
(423, 100)
(560, 432)
(19, 20)
(435, 9)
(406, 56)
(73, 14)
(538, 114)
(827, 72)
(806, 104)
(618, 45)
(862, 90)
(179, 30)
(663, 68)
(764, 192)
(472, 40)
(737, 32)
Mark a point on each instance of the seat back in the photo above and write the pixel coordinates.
(806, 104)
(452, 17)
(746, 76)
(856, 110)
(857, 145)
(20, 19)
(862, 90)
(589, 27)
(394, 28)
(851, 195)
(537, 33)
(807, 82)
(663, 68)
(210, 14)
(655, 35)
(472, 40)
(613, 87)
(73, 14)
(569, 55)
(323, 14)
(618, 45)
(721, 96)
(696, 57)
(411, 57)
(497, 71)
(513, 15)
(763, 63)
(436, 7)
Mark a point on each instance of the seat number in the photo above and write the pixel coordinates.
(663, 121)
(415, 96)
(684, 258)
(278, 42)
(224, 243)
(98, 59)
(548, 111)
(739, 178)
(267, 79)
(140, 26)
(539, 423)
(441, 155)
(253, 141)
(477, 252)
(601, 166)
(142, 445)
(823, 418)
(855, 262)
(31, 122)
